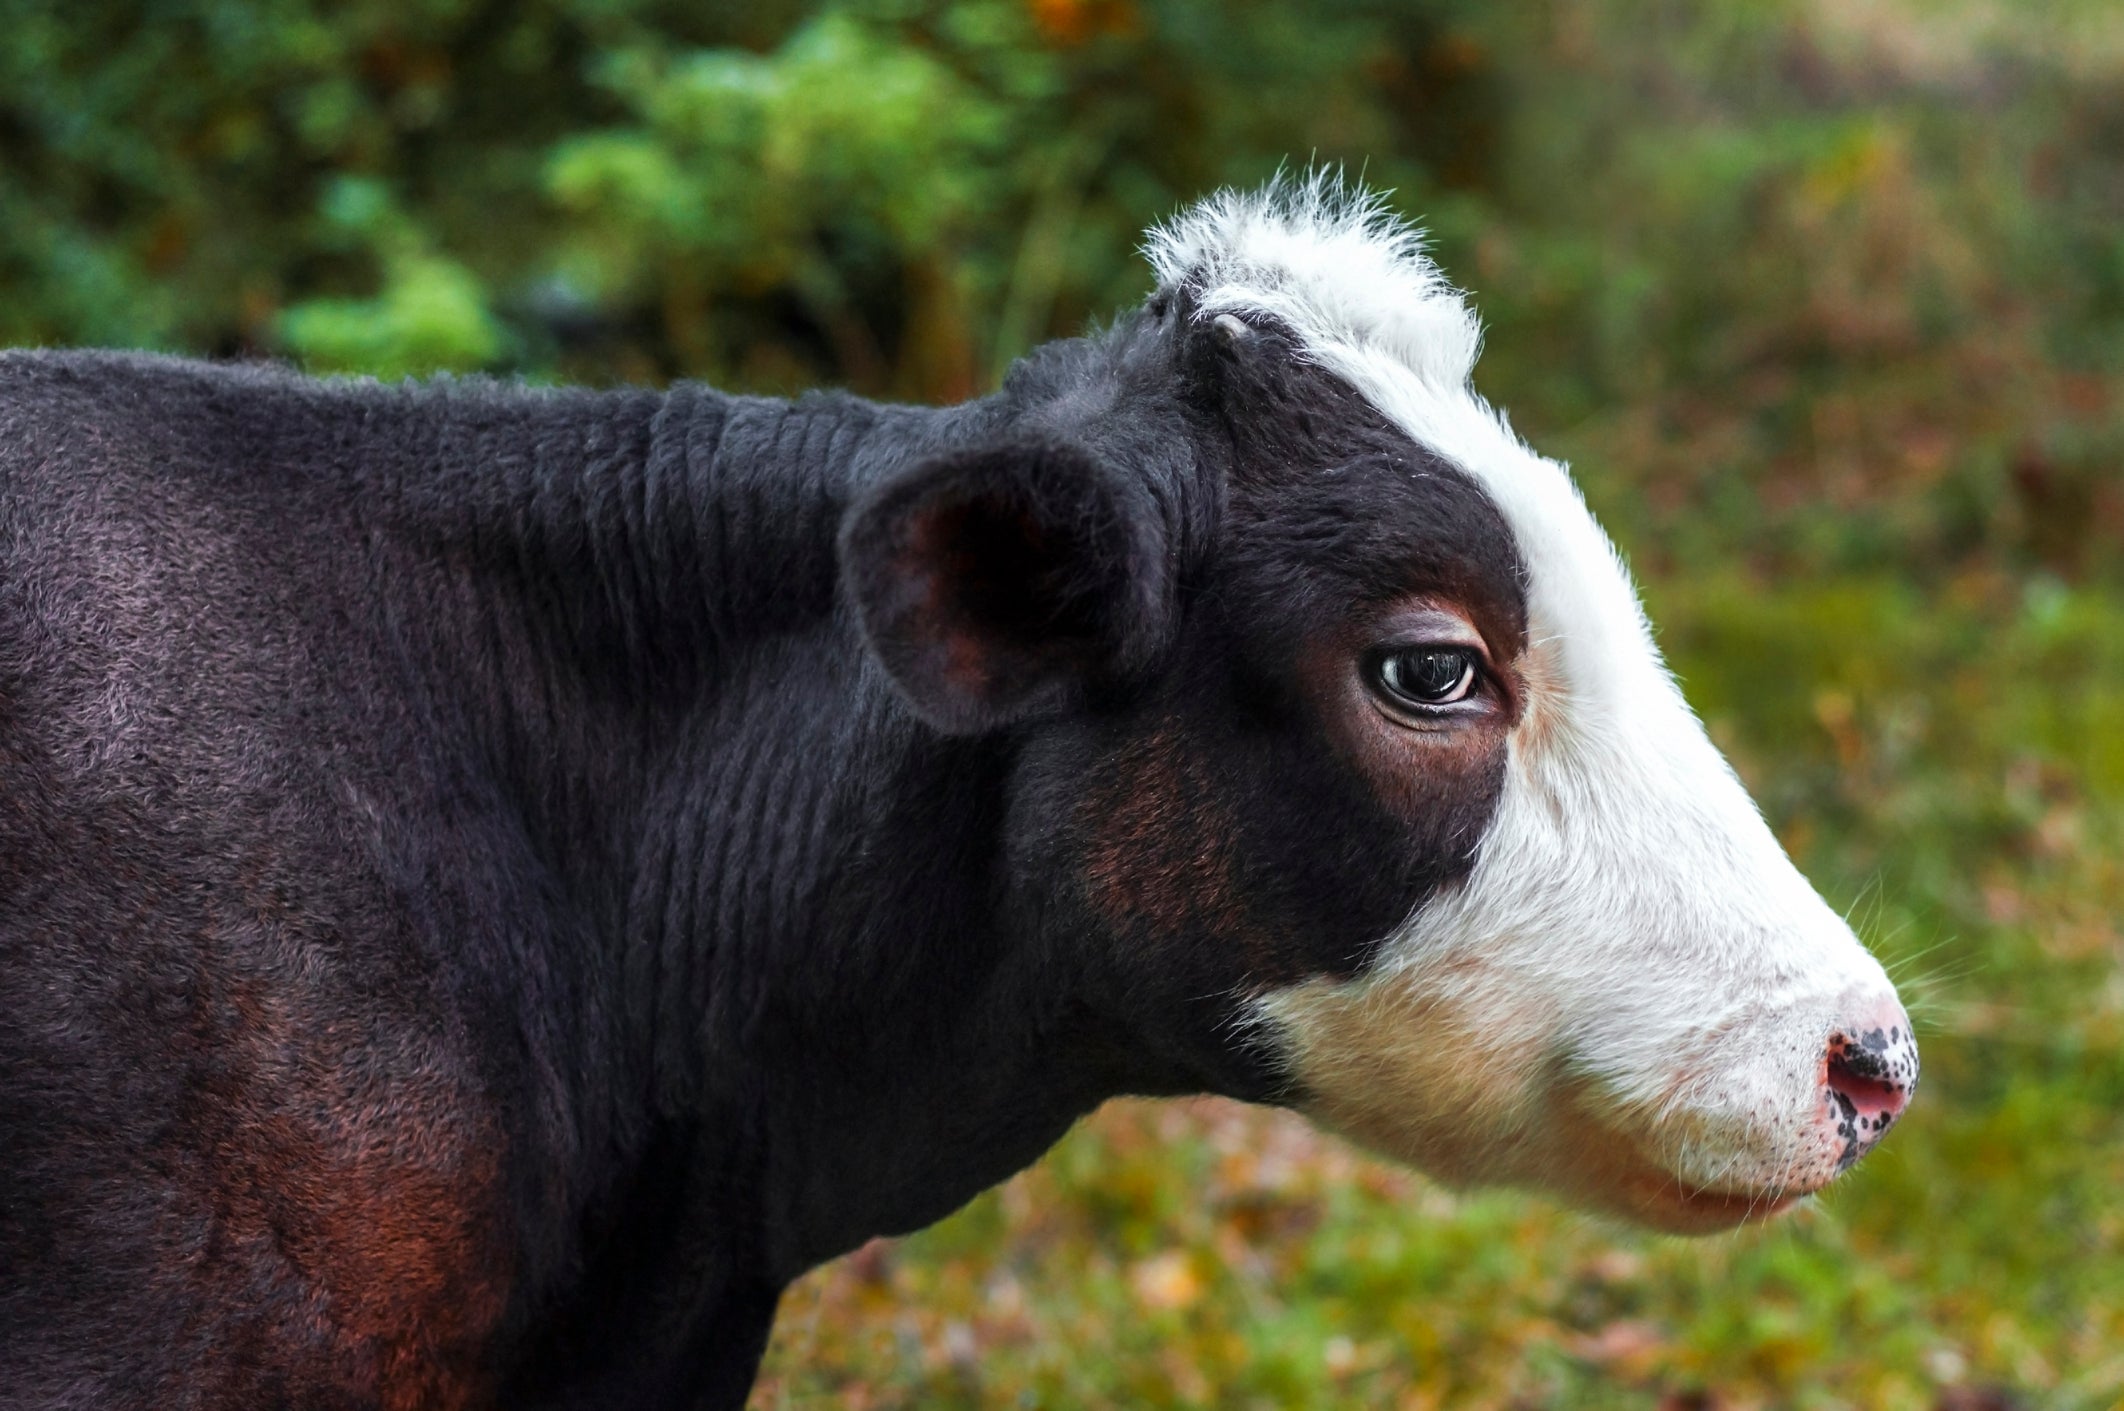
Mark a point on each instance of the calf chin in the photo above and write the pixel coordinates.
(1479, 1071)
(1476, 1102)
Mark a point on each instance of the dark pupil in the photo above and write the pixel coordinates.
(1425, 676)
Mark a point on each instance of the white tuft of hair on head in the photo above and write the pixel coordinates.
(1326, 257)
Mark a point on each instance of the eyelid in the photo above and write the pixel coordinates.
(1431, 627)
(1465, 640)
(1433, 643)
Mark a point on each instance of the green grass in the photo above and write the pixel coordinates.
(1949, 766)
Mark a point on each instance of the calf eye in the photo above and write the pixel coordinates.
(1424, 678)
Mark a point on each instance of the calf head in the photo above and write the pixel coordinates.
(1346, 772)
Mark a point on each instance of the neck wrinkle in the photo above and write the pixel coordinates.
(635, 528)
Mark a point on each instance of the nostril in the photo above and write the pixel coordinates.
(1868, 1074)
(1868, 1096)
(1871, 1080)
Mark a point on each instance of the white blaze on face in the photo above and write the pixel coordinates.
(1632, 997)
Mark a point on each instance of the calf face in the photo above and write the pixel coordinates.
(1347, 772)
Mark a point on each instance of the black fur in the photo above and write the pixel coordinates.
(477, 917)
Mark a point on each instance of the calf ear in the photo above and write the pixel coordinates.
(997, 584)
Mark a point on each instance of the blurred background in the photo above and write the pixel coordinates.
(1824, 299)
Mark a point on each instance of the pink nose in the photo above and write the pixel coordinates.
(1870, 1073)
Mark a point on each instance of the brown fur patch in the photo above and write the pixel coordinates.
(1159, 853)
(1420, 1076)
(389, 1214)
(1540, 688)
(355, 1203)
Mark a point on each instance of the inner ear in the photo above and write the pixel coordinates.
(999, 583)
(997, 571)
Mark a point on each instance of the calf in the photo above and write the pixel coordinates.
(496, 882)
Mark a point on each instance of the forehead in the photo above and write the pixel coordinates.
(1332, 507)
(1349, 282)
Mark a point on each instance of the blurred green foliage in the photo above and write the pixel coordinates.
(1854, 274)
(1824, 299)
